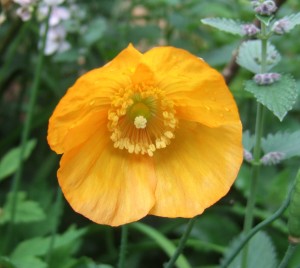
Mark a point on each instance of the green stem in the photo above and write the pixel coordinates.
(288, 254)
(26, 131)
(181, 244)
(258, 227)
(248, 223)
(11, 52)
(58, 203)
(123, 247)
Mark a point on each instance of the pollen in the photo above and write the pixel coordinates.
(141, 120)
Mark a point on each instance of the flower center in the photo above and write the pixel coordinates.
(141, 120)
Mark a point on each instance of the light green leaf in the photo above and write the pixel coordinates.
(264, 19)
(29, 251)
(37, 246)
(249, 56)
(26, 253)
(258, 244)
(70, 55)
(248, 140)
(10, 161)
(292, 21)
(94, 31)
(287, 143)
(226, 25)
(27, 210)
(278, 97)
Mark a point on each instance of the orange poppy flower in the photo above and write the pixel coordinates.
(155, 133)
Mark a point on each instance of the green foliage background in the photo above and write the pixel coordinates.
(104, 29)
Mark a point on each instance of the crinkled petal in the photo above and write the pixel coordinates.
(86, 103)
(199, 92)
(107, 185)
(196, 169)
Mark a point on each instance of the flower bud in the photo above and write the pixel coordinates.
(250, 29)
(281, 26)
(266, 79)
(272, 158)
(265, 8)
(248, 155)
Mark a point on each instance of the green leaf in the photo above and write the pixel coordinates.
(94, 31)
(162, 241)
(71, 55)
(85, 262)
(6, 263)
(284, 142)
(10, 161)
(258, 244)
(292, 21)
(248, 140)
(249, 56)
(28, 253)
(264, 19)
(27, 210)
(278, 97)
(226, 25)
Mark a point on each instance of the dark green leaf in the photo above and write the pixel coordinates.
(6, 263)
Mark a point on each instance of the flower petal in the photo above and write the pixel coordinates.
(196, 169)
(107, 185)
(199, 92)
(85, 105)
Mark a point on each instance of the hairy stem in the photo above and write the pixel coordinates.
(248, 223)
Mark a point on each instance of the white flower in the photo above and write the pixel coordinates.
(25, 2)
(56, 40)
(57, 15)
(53, 2)
(24, 12)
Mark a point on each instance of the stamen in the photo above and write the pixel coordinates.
(140, 122)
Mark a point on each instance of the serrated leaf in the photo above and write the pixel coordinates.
(30, 251)
(10, 161)
(259, 243)
(226, 25)
(278, 97)
(26, 211)
(292, 21)
(287, 143)
(249, 56)
(248, 140)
